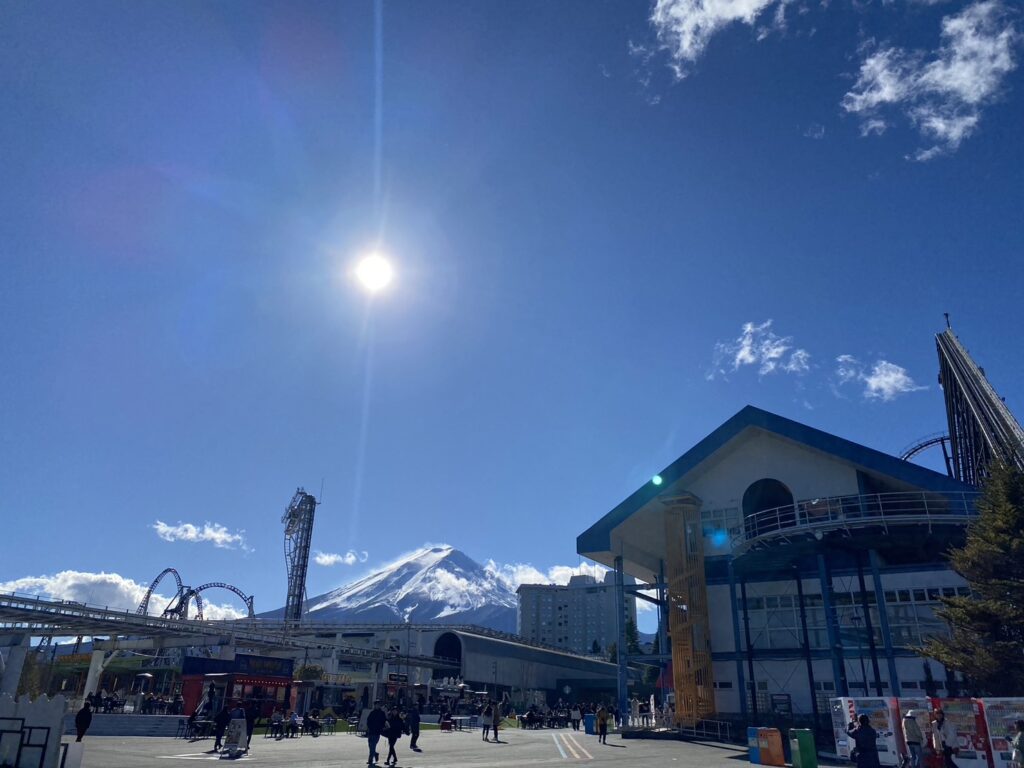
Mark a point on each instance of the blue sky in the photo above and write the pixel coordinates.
(594, 210)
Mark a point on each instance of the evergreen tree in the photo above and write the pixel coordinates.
(986, 642)
(632, 638)
(930, 688)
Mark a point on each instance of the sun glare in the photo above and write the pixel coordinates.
(374, 272)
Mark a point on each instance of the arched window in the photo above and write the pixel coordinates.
(763, 494)
(448, 646)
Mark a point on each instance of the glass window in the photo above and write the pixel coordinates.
(785, 601)
(890, 596)
(920, 596)
(771, 602)
(904, 595)
(949, 591)
(933, 594)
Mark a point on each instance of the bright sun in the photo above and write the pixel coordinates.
(374, 272)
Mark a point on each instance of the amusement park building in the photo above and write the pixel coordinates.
(804, 566)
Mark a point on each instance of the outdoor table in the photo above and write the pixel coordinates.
(460, 722)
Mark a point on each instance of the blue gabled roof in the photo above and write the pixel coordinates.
(597, 538)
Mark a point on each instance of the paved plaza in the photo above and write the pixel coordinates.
(517, 748)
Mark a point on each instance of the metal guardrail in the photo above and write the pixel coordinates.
(713, 730)
(858, 511)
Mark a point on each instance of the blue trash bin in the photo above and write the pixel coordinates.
(589, 724)
(752, 745)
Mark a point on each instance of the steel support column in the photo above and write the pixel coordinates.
(806, 639)
(832, 624)
(741, 684)
(868, 628)
(883, 621)
(750, 649)
(663, 646)
(621, 677)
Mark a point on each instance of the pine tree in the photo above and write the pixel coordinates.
(986, 642)
(632, 638)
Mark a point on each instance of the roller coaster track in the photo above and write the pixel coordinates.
(186, 595)
(981, 428)
(924, 443)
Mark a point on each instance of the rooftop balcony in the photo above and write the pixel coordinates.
(818, 517)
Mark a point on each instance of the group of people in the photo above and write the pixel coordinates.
(943, 738)
(391, 726)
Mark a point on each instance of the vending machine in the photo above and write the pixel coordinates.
(972, 735)
(1001, 716)
(922, 709)
(884, 718)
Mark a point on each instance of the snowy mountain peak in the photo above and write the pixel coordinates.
(433, 584)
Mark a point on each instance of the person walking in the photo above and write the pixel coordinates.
(376, 724)
(602, 725)
(575, 715)
(486, 716)
(944, 738)
(252, 715)
(866, 740)
(394, 731)
(220, 724)
(412, 722)
(496, 720)
(1017, 745)
(83, 720)
(914, 738)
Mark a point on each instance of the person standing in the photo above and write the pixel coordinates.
(83, 720)
(486, 716)
(575, 715)
(944, 738)
(412, 722)
(376, 722)
(866, 740)
(252, 714)
(634, 712)
(602, 725)
(1017, 745)
(914, 738)
(496, 721)
(394, 731)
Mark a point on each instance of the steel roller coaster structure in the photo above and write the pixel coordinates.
(178, 607)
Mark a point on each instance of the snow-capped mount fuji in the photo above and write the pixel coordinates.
(434, 584)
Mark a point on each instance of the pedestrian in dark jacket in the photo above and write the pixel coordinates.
(220, 724)
(376, 723)
(394, 731)
(252, 715)
(412, 722)
(83, 720)
(865, 739)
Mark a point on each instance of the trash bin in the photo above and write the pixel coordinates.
(752, 745)
(801, 745)
(769, 742)
(588, 724)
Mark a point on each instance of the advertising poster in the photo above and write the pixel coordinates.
(234, 738)
(965, 715)
(1001, 715)
(881, 713)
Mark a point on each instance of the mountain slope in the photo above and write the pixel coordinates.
(435, 584)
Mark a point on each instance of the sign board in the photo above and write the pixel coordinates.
(782, 704)
(234, 739)
(394, 677)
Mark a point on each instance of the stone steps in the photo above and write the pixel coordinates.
(127, 725)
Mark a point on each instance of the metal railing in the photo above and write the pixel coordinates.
(857, 511)
(712, 730)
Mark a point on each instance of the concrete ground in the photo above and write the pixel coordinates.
(557, 748)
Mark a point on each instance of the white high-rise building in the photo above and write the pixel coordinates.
(579, 617)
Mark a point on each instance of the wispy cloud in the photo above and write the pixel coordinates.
(758, 345)
(815, 131)
(333, 558)
(885, 381)
(213, 533)
(109, 590)
(685, 27)
(516, 574)
(942, 93)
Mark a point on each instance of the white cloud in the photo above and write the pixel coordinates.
(514, 574)
(109, 590)
(214, 533)
(942, 93)
(333, 558)
(815, 131)
(684, 27)
(885, 382)
(758, 345)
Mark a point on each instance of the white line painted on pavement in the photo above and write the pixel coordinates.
(569, 746)
(579, 746)
(555, 737)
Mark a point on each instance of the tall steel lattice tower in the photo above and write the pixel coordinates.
(298, 533)
(981, 427)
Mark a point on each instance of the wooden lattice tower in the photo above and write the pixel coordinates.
(688, 610)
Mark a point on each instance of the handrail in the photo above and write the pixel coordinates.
(855, 511)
